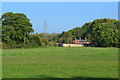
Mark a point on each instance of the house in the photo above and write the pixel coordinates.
(81, 41)
(84, 42)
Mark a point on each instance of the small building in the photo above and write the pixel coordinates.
(72, 45)
(76, 43)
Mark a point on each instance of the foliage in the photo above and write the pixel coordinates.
(16, 28)
(35, 40)
(16, 31)
(52, 43)
(103, 33)
(100, 33)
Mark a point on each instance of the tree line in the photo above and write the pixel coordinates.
(100, 33)
(17, 32)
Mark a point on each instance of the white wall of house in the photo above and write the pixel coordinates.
(73, 45)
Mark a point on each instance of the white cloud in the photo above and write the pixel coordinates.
(60, 0)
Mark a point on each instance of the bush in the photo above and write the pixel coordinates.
(52, 43)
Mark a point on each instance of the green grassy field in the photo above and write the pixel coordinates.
(59, 62)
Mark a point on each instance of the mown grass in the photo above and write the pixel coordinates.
(59, 62)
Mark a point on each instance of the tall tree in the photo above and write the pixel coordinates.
(16, 27)
(104, 32)
(69, 40)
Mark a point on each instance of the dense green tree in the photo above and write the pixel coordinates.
(52, 43)
(61, 40)
(103, 32)
(85, 33)
(16, 28)
(79, 32)
(63, 37)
